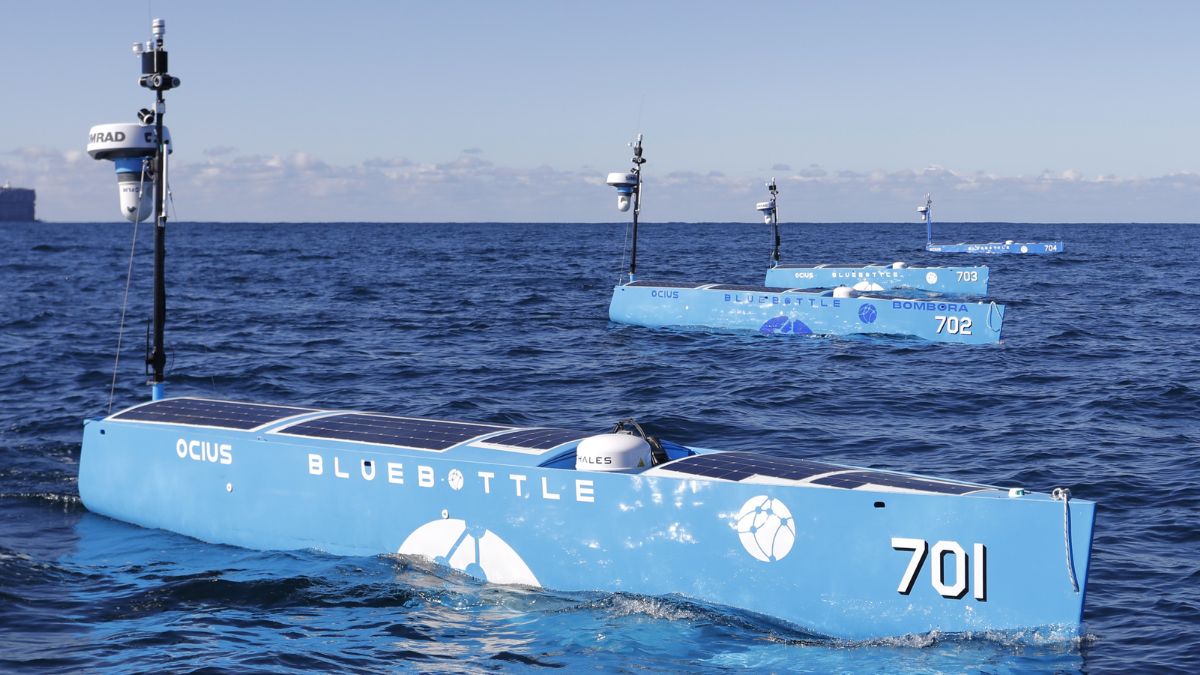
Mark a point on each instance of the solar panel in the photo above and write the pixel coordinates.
(665, 284)
(856, 479)
(405, 432)
(738, 466)
(204, 412)
(536, 439)
(751, 289)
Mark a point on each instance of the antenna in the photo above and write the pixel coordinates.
(926, 212)
(140, 152)
(629, 189)
(770, 213)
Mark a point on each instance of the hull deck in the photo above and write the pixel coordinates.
(947, 280)
(789, 311)
(836, 550)
(1000, 248)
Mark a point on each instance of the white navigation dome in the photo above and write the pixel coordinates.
(767, 209)
(113, 141)
(127, 145)
(625, 184)
(613, 452)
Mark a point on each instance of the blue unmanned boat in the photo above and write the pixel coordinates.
(784, 310)
(991, 248)
(836, 550)
(898, 275)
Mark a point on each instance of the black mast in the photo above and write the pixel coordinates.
(638, 161)
(155, 77)
(774, 218)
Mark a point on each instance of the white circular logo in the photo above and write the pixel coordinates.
(931, 277)
(455, 479)
(474, 550)
(1024, 249)
(766, 528)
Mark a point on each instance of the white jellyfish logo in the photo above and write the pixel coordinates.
(474, 550)
(931, 277)
(766, 528)
(455, 479)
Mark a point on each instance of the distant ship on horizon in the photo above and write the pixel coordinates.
(17, 204)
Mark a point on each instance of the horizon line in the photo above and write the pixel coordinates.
(603, 222)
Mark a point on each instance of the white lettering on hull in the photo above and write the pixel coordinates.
(427, 477)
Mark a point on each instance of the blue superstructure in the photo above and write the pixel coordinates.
(990, 248)
(837, 550)
(789, 311)
(898, 275)
(786, 309)
(965, 281)
(1000, 247)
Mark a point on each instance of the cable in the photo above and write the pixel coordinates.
(128, 279)
(1065, 495)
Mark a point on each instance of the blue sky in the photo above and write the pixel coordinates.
(406, 111)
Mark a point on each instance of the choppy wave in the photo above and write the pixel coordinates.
(1094, 388)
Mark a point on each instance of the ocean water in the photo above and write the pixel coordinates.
(1095, 387)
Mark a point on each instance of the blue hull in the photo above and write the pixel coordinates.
(795, 312)
(834, 550)
(1000, 248)
(947, 280)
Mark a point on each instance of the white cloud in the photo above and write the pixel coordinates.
(223, 185)
(219, 150)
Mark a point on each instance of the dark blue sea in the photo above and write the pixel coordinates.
(1095, 387)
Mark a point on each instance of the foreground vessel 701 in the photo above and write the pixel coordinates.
(836, 550)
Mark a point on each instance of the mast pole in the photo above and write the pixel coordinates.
(157, 358)
(638, 161)
(155, 77)
(928, 213)
(774, 218)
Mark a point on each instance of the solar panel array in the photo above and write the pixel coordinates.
(405, 432)
(665, 284)
(203, 412)
(856, 479)
(738, 466)
(809, 266)
(750, 289)
(536, 439)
